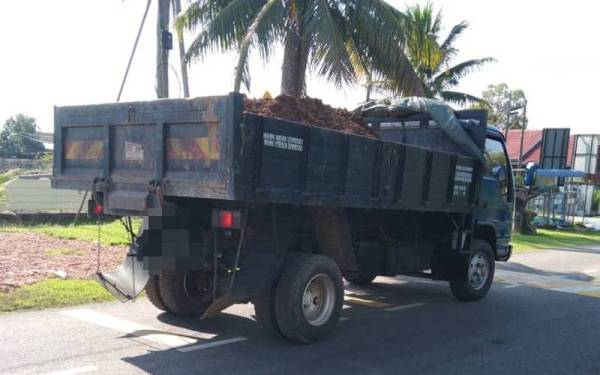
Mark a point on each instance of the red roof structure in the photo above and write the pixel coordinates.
(532, 146)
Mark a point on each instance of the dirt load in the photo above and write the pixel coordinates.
(309, 111)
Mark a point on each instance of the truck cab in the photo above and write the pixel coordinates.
(496, 198)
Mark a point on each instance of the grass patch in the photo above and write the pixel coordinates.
(53, 293)
(554, 239)
(4, 178)
(111, 232)
(63, 251)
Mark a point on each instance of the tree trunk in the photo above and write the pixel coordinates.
(181, 45)
(293, 70)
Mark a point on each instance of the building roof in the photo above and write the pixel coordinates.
(532, 145)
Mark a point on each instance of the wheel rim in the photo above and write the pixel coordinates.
(195, 286)
(318, 300)
(479, 270)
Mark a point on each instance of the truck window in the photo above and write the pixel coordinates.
(496, 164)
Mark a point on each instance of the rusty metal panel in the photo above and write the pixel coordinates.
(181, 144)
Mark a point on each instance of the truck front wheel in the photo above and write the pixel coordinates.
(477, 273)
(185, 293)
(308, 297)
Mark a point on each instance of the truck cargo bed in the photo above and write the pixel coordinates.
(209, 148)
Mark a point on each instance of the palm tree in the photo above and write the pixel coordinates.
(432, 57)
(340, 40)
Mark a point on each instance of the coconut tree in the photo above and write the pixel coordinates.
(433, 57)
(340, 40)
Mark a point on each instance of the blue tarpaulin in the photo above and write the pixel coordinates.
(560, 173)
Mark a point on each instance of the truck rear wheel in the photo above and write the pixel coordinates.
(308, 297)
(185, 293)
(153, 293)
(358, 277)
(264, 310)
(478, 273)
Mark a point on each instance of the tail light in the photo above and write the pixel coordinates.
(226, 219)
(98, 209)
(95, 208)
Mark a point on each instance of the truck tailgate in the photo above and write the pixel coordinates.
(128, 149)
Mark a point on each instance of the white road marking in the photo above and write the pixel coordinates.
(212, 344)
(577, 289)
(422, 280)
(171, 340)
(73, 371)
(404, 307)
(508, 286)
(346, 307)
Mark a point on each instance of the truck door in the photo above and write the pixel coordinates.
(497, 195)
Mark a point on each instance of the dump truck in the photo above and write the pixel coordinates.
(243, 208)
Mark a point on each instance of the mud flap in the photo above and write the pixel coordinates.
(258, 271)
(127, 281)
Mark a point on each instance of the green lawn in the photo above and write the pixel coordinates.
(554, 239)
(111, 232)
(53, 293)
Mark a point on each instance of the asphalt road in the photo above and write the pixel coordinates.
(542, 316)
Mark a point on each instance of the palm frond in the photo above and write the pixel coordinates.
(325, 28)
(447, 49)
(379, 34)
(223, 31)
(422, 46)
(462, 98)
(242, 69)
(451, 76)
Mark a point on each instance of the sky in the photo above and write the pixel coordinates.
(70, 52)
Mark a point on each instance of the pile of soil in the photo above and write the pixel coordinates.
(26, 258)
(309, 111)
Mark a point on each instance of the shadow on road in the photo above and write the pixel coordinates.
(441, 336)
(223, 324)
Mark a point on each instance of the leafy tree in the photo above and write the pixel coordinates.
(18, 137)
(432, 57)
(340, 40)
(499, 100)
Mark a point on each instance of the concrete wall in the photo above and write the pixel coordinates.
(6, 164)
(33, 194)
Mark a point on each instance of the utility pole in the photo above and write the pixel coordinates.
(523, 125)
(508, 110)
(181, 44)
(164, 43)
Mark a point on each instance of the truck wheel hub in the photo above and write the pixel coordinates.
(478, 271)
(318, 300)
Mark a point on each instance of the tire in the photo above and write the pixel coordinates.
(153, 293)
(182, 294)
(359, 278)
(264, 310)
(308, 297)
(473, 286)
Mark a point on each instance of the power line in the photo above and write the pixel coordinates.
(137, 39)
